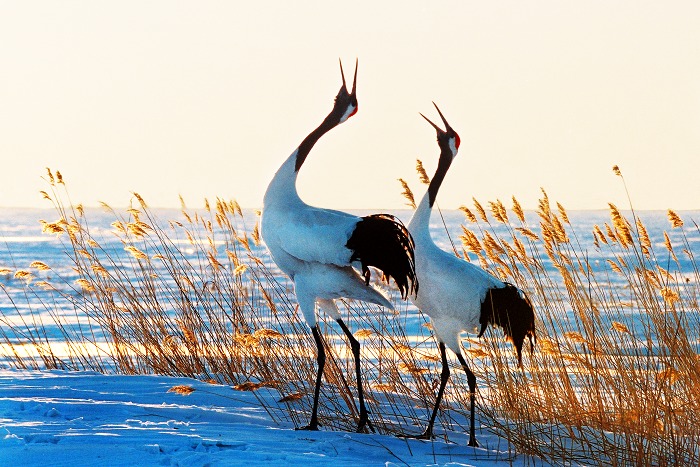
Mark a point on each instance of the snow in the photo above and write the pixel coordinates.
(85, 418)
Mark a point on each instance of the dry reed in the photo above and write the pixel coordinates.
(613, 380)
(198, 296)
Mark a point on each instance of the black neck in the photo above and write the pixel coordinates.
(443, 165)
(312, 138)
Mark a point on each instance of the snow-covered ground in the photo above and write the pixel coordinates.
(88, 419)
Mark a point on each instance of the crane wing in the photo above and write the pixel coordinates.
(315, 235)
(451, 285)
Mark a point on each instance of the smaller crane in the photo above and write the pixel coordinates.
(457, 295)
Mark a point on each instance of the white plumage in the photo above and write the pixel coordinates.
(317, 247)
(457, 295)
(452, 302)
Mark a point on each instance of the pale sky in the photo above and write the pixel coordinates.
(207, 99)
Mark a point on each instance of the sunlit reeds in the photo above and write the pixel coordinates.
(613, 379)
(198, 296)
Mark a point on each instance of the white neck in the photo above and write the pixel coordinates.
(419, 225)
(282, 190)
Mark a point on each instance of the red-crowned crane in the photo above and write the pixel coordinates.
(317, 248)
(457, 295)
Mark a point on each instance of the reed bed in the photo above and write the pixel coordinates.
(198, 296)
(613, 379)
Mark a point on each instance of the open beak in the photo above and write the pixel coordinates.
(354, 79)
(439, 130)
(342, 75)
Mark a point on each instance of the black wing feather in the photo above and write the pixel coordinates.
(382, 241)
(506, 308)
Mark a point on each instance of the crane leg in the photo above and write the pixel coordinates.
(355, 346)
(321, 360)
(444, 376)
(471, 380)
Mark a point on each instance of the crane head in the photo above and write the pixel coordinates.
(448, 139)
(345, 102)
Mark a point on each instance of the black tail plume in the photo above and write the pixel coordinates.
(382, 241)
(506, 308)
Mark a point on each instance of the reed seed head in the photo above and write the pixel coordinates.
(411, 368)
(528, 233)
(480, 210)
(100, 270)
(599, 235)
(292, 397)
(269, 333)
(670, 295)
(575, 336)
(668, 375)
(544, 210)
(644, 239)
(518, 210)
(422, 175)
(669, 246)
(610, 234)
(407, 193)
(135, 252)
(257, 238)
(548, 346)
(24, 275)
(499, 211)
(41, 266)
(620, 327)
(237, 208)
(468, 214)
(182, 389)
(476, 352)
(470, 240)
(246, 340)
(85, 285)
(140, 200)
(248, 386)
(53, 227)
(383, 387)
(622, 226)
(50, 176)
(676, 221)
(614, 266)
(562, 213)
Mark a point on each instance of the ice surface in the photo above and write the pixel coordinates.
(88, 419)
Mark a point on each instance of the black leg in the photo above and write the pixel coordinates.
(355, 346)
(444, 376)
(321, 360)
(471, 380)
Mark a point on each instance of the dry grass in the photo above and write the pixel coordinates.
(197, 296)
(613, 381)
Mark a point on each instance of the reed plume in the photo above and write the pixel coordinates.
(422, 175)
(612, 382)
(407, 193)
